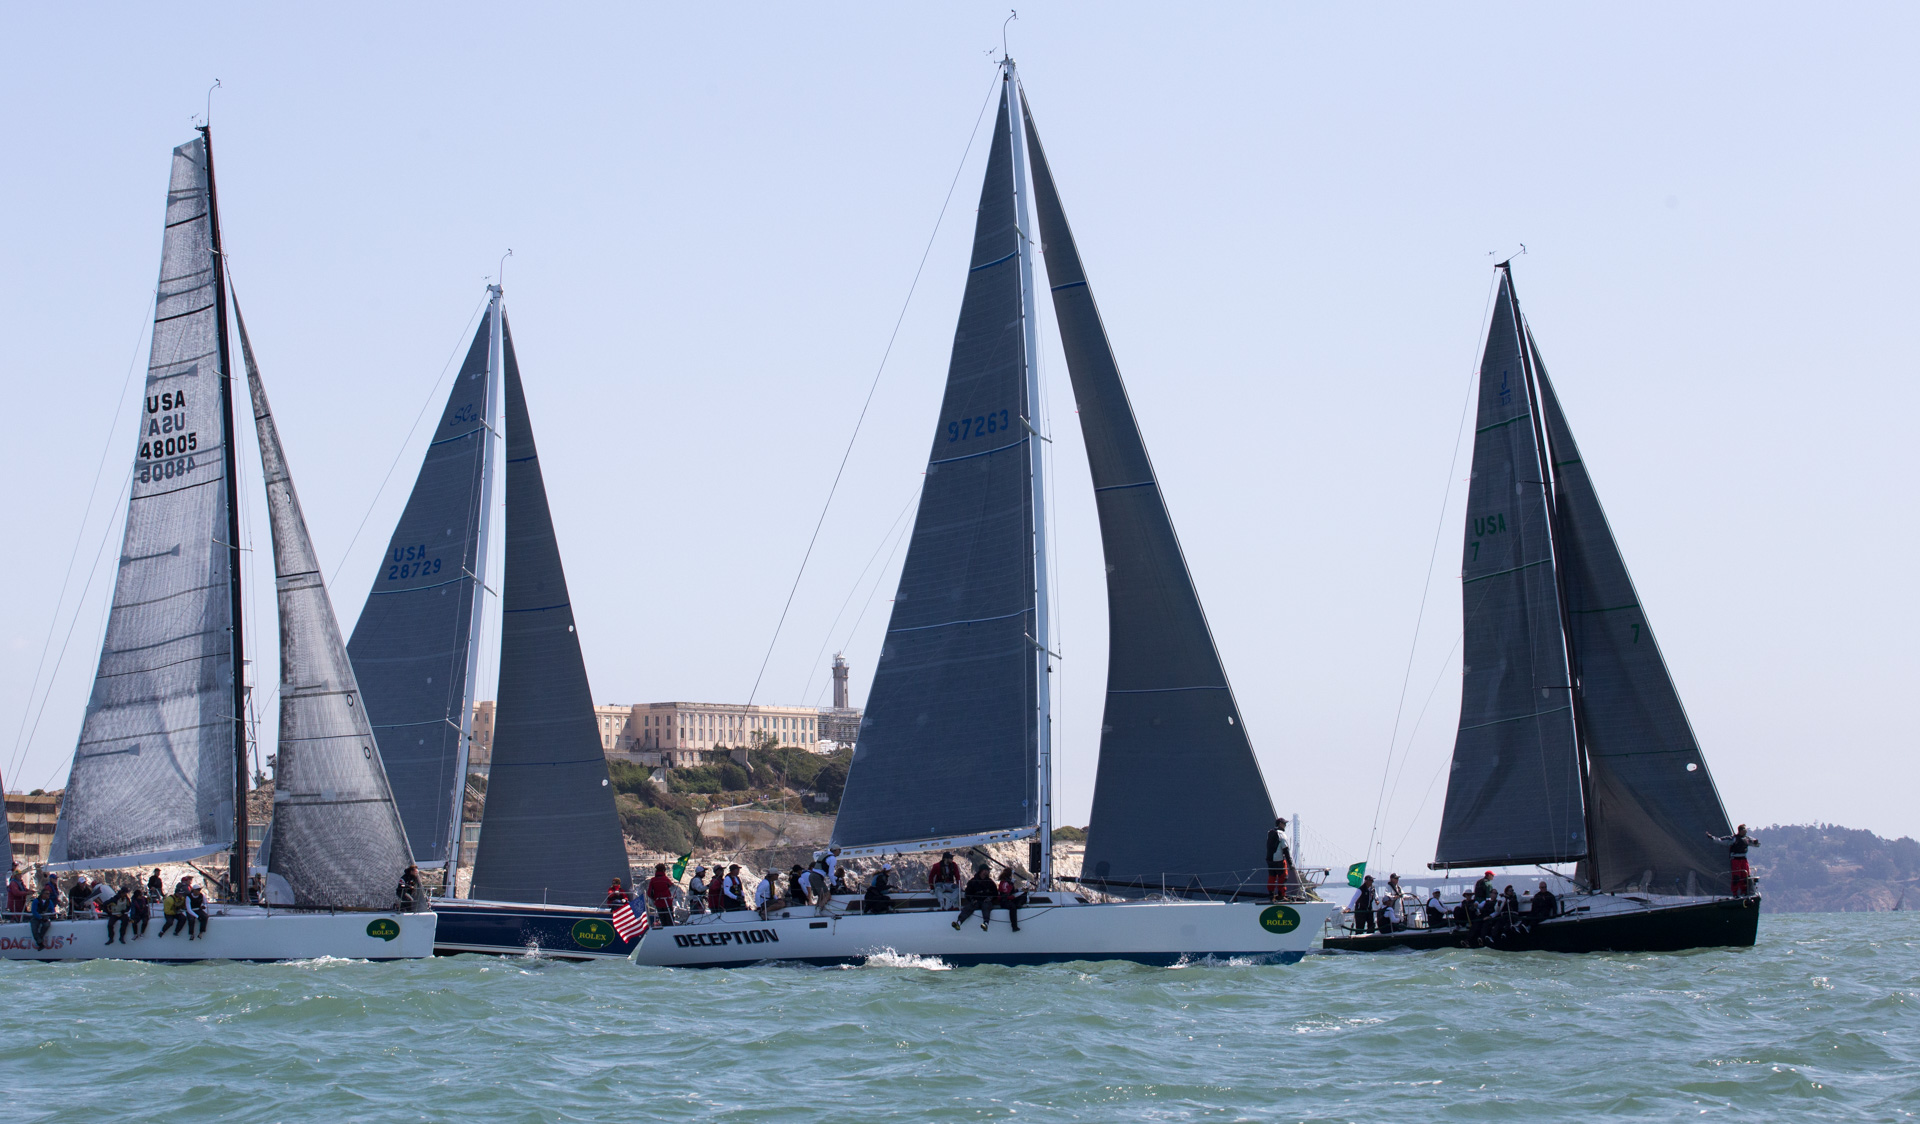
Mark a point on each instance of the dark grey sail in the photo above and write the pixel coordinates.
(1178, 800)
(1514, 795)
(550, 832)
(410, 648)
(1654, 803)
(153, 776)
(949, 745)
(337, 838)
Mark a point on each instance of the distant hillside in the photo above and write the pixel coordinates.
(1820, 868)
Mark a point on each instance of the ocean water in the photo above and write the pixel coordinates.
(1821, 1021)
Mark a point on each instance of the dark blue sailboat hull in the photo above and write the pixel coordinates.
(562, 932)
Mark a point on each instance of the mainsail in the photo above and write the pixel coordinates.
(337, 837)
(1178, 801)
(550, 831)
(411, 648)
(153, 777)
(1514, 795)
(950, 743)
(1653, 802)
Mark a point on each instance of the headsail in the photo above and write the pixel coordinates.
(550, 832)
(1514, 795)
(337, 837)
(952, 712)
(153, 777)
(411, 648)
(1654, 803)
(1173, 747)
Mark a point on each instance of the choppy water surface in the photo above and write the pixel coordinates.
(1821, 1021)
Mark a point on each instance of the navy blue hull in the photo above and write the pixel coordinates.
(515, 929)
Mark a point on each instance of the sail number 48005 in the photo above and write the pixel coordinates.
(975, 426)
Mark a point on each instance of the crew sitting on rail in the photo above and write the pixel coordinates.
(1436, 913)
(944, 880)
(979, 896)
(877, 899)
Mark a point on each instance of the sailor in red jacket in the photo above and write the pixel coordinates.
(660, 894)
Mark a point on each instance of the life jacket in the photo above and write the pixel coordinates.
(171, 906)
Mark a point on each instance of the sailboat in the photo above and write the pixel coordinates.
(159, 773)
(955, 748)
(1573, 745)
(550, 836)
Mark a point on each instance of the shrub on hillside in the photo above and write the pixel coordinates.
(654, 828)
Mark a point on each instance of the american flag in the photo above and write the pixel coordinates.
(629, 926)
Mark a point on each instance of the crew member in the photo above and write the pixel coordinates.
(408, 892)
(1279, 861)
(697, 891)
(1737, 845)
(1011, 895)
(981, 891)
(1361, 907)
(116, 910)
(766, 896)
(1542, 906)
(944, 881)
(40, 914)
(196, 909)
(733, 896)
(659, 894)
(617, 893)
(16, 894)
(877, 899)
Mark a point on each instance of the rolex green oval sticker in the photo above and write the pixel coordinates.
(592, 933)
(385, 928)
(1279, 919)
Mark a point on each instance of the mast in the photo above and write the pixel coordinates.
(491, 431)
(1556, 537)
(237, 867)
(1043, 667)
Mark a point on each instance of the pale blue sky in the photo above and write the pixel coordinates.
(1286, 212)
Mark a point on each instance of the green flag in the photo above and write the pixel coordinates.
(680, 867)
(1356, 874)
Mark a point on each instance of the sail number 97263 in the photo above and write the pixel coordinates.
(975, 426)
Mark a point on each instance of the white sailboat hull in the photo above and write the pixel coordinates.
(237, 933)
(1161, 933)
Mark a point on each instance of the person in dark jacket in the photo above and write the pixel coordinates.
(1737, 845)
(733, 896)
(156, 889)
(1543, 905)
(40, 914)
(115, 910)
(1009, 896)
(1279, 861)
(980, 893)
(1361, 907)
(196, 911)
(796, 887)
(140, 912)
(408, 891)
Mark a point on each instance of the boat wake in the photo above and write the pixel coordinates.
(888, 958)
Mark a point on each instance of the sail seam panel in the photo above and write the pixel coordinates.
(1509, 570)
(1135, 484)
(1521, 717)
(994, 262)
(1163, 690)
(950, 624)
(970, 456)
(415, 589)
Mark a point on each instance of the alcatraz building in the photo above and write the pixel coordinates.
(678, 733)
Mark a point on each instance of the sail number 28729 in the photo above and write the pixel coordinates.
(410, 562)
(975, 426)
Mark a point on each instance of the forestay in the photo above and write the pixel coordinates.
(153, 773)
(949, 744)
(337, 837)
(550, 831)
(1173, 746)
(1514, 795)
(410, 648)
(1654, 803)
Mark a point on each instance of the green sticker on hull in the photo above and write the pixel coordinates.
(385, 928)
(1279, 919)
(592, 933)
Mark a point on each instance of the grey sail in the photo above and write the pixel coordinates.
(1654, 803)
(1178, 800)
(952, 709)
(1514, 794)
(337, 837)
(153, 772)
(549, 832)
(410, 648)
